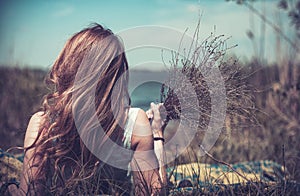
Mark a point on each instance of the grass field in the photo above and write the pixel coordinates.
(274, 135)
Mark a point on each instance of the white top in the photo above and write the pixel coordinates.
(132, 115)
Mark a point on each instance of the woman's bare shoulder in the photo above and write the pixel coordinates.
(142, 133)
(142, 124)
(33, 128)
(142, 117)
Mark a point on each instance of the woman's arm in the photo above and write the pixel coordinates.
(158, 135)
(148, 162)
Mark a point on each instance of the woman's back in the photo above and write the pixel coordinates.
(106, 177)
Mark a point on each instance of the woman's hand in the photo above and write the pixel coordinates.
(157, 123)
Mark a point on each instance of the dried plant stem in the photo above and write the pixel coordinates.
(271, 24)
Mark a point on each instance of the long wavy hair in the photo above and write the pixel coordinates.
(64, 163)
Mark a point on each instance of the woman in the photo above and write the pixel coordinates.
(58, 159)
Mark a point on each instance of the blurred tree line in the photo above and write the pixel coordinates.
(21, 92)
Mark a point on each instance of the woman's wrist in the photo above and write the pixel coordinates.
(157, 133)
(159, 139)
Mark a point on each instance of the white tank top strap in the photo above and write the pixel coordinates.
(132, 115)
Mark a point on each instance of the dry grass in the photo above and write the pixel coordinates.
(275, 92)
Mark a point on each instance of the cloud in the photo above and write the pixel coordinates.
(192, 8)
(63, 12)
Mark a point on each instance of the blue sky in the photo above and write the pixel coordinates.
(33, 32)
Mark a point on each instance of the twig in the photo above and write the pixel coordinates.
(284, 174)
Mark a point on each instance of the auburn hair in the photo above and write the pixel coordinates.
(64, 163)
